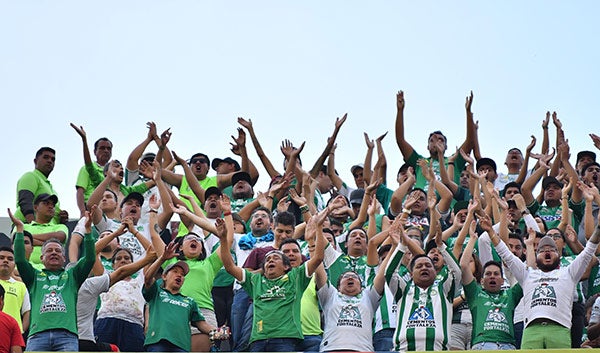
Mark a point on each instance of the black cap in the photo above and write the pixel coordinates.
(485, 161)
(356, 196)
(213, 190)
(45, 197)
(133, 196)
(550, 180)
(239, 176)
(582, 154)
(217, 161)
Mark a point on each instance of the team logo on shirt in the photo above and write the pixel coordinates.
(496, 320)
(421, 317)
(543, 294)
(130, 243)
(350, 316)
(53, 302)
(273, 293)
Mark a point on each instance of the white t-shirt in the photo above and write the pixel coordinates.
(348, 320)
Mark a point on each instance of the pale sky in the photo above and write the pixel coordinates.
(291, 67)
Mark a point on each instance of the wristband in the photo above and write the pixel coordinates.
(451, 163)
(304, 208)
(406, 210)
(153, 210)
(228, 213)
(270, 197)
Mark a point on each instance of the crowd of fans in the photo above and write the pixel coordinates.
(453, 254)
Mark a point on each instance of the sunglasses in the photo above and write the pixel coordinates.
(198, 160)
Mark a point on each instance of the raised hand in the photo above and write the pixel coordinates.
(79, 130)
(531, 144)
(225, 203)
(546, 121)
(340, 121)
(17, 222)
(151, 130)
(596, 139)
(556, 121)
(165, 137)
(245, 123)
(400, 103)
(369, 142)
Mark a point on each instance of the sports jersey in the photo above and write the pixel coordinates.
(424, 314)
(549, 294)
(348, 319)
(170, 316)
(492, 313)
(336, 263)
(16, 299)
(276, 303)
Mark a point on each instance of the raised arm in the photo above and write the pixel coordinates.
(150, 272)
(531, 182)
(259, 151)
(223, 231)
(465, 260)
(330, 142)
(136, 153)
(405, 148)
(190, 178)
(87, 159)
(524, 168)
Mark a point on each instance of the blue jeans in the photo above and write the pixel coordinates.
(53, 340)
(241, 320)
(492, 346)
(310, 343)
(163, 346)
(518, 334)
(383, 340)
(274, 345)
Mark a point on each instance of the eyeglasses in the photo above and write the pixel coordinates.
(547, 250)
(198, 160)
(555, 235)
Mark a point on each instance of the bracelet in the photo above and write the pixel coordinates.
(451, 163)
(153, 210)
(228, 213)
(406, 210)
(270, 197)
(462, 296)
(304, 208)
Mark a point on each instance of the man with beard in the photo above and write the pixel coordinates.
(492, 307)
(547, 290)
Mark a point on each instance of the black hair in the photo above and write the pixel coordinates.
(358, 228)
(44, 149)
(438, 132)
(286, 218)
(342, 275)
(284, 258)
(114, 254)
(7, 248)
(1, 292)
(100, 140)
(414, 259)
(383, 249)
(289, 241)
(494, 263)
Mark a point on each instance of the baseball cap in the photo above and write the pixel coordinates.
(356, 196)
(215, 163)
(239, 176)
(197, 155)
(485, 161)
(213, 190)
(355, 167)
(45, 197)
(582, 154)
(133, 196)
(550, 180)
(546, 241)
(181, 264)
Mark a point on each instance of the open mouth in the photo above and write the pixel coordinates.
(178, 281)
(212, 205)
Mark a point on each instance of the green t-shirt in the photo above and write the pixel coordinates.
(170, 316)
(199, 281)
(492, 313)
(342, 263)
(185, 189)
(310, 314)
(594, 281)
(85, 181)
(384, 196)
(38, 184)
(276, 303)
(53, 293)
(39, 228)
